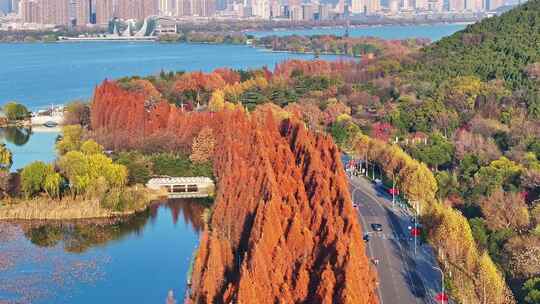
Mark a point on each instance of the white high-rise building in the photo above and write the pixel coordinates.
(365, 6)
(83, 10)
(393, 5)
(421, 5)
(15, 6)
(167, 7)
(474, 5)
(405, 4)
(373, 6)
(358, 6)
(260, 8)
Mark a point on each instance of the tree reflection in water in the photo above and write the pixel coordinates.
(16, 136)
(79, 236)
(57, 257)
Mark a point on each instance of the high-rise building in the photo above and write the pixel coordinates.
(167, 7)
(104, 11)
(421, 5)
(340, 7)
(208, 8)
(136, 9)
(83, 11)
(308, 11)
(195, 7)
(456, 5)
(199, 8)
(474, 5)
(365, 6)
(373, 6)
(148, 8)
(54, 11)
(435, 5)
(260, 8)
(15, 6)
(393, 6)
(183, 8)
(275, 8)
(494, 4)
(358, 6)
(30, 11)
(324, 12)
(405, 5)
(163, 7)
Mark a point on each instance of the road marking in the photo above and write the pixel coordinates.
(362, 222)
(385, 209)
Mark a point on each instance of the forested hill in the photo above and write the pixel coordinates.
(496, 48)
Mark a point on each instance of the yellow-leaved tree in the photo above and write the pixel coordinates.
(217, 101)
(71, 139)
(202, 148)
(5, 158)
(490, 287)
(418, 182)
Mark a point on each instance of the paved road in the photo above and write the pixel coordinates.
(404, 277)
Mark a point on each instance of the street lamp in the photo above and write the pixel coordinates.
(415, 232)
(393, 190)
(442, 283)
(367, 165)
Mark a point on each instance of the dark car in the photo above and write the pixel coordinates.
(376, 227)
(50, 124)
(366, 237)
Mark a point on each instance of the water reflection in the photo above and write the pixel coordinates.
(79, 261)
(16, 136)
(81, 235)
(29, 145)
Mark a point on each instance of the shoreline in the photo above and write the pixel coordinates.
(67, 209)
(253, 31)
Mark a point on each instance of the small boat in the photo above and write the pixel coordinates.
(50, 124)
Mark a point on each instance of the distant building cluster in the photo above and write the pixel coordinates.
(100, 12)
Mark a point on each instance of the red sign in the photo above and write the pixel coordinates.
(393, 191)
(415, 231)
(442, 297)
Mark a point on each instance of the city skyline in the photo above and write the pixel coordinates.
(101, 12)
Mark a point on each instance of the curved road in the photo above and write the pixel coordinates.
(404, 277)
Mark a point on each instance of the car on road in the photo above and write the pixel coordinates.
(366, 238)
(376, 227)
(355, 205)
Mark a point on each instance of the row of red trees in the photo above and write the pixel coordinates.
(279, 186)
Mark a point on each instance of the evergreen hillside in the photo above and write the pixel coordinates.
(497, 48)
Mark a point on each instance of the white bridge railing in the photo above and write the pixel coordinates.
(183, 187)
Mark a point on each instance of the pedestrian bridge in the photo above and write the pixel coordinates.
(183, 187)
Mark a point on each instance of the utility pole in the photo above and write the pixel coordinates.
(442, 283)
(416, 211)
(367, 165)
(393, 190)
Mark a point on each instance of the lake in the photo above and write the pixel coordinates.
(431, 31)
(28, 145)
(40, 74)
(136, 260)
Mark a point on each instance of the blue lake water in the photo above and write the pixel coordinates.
(28, 146)
(40, 74)
(139, 260)
(431, 31)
